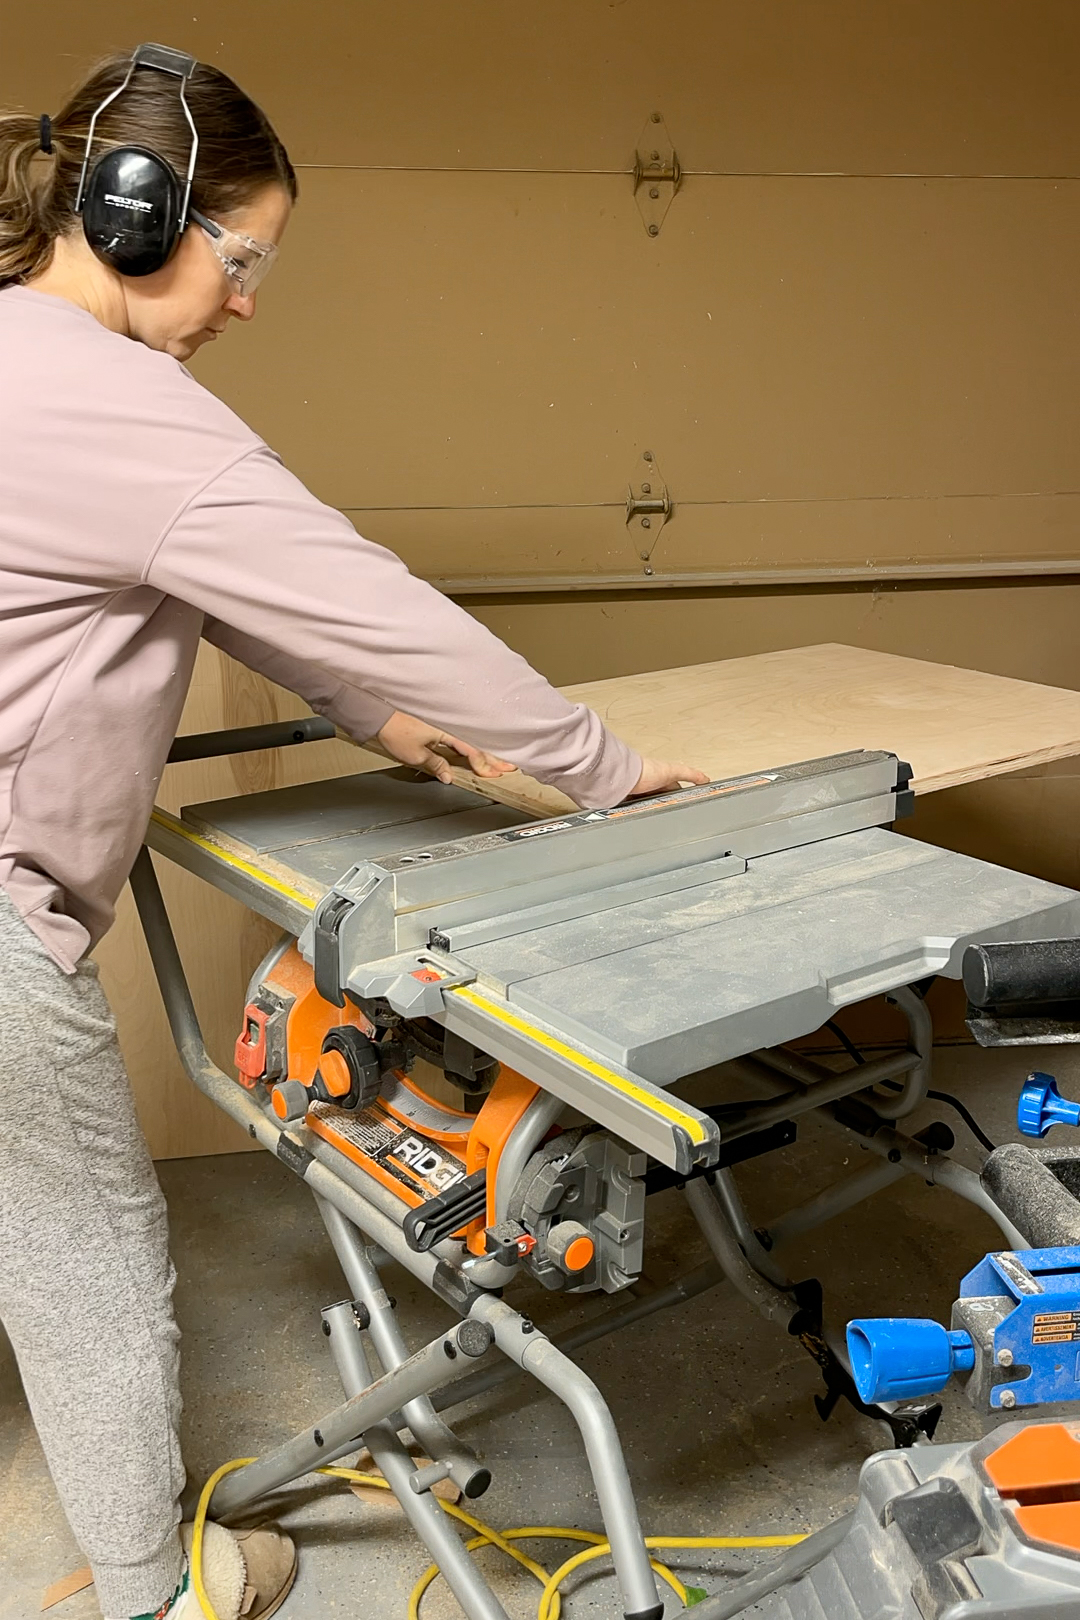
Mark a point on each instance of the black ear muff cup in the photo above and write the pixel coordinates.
(131, 211)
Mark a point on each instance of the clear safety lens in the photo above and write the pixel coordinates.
(244, 260)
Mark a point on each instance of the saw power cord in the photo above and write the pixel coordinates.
(935, 1096)
(550, 1598)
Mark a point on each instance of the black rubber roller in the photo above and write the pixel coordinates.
(1022, 971)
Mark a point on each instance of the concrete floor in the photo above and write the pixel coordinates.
(714, 1405)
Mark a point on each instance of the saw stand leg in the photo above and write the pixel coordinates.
(373, 1407)
(427, 1518)
(453, 1459)
(533, 1352)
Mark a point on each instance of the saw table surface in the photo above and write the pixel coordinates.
(747, 714)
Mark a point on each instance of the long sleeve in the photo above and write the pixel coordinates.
(357, 712)
(257, 552)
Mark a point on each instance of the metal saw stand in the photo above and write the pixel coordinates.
(689, 1147)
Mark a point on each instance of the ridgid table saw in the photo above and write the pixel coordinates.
(566, 975)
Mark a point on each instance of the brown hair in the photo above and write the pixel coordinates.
(239, 153)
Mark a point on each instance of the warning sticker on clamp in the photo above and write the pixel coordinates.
(424, 1166)
(1055, 1327)
(660, 801)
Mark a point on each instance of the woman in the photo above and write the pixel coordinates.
(136, 514)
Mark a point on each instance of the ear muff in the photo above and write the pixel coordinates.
(132, 204)
(131, 210)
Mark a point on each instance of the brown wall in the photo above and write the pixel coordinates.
(851, 348)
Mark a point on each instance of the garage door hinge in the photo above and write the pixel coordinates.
(648, 508)
(657, 173)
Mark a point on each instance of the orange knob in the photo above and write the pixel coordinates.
(579, 1254)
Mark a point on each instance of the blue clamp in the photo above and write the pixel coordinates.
(1017, 1334)
(1042, 1105)
(898, 1358)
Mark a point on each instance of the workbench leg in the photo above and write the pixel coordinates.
(422, 1509)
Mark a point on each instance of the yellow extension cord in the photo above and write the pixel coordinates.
(550, 1600)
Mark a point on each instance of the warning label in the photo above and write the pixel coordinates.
(424, 1166)
(1055, 1327)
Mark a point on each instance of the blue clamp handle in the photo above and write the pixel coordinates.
(899, 1358)
(1042, 1105)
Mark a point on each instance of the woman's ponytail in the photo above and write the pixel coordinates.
(30, 219)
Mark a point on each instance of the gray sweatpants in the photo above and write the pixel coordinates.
(85, 1278)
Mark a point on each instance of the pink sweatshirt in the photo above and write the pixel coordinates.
(137, 512)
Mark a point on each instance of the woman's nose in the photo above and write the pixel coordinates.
(241, 305)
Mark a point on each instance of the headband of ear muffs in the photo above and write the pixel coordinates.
(132, 203)
(131, 211)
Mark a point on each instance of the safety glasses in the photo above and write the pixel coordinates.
(245, 261)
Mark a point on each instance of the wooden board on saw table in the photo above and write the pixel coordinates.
(745, 714)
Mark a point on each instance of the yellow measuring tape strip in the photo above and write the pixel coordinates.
(170, 824)
(647, 1099)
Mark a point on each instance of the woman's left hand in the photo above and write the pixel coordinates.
(415, 742)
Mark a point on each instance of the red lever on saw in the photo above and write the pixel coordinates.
(250, 1053)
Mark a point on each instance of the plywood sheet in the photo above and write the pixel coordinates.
(968, 86)
(954, 726)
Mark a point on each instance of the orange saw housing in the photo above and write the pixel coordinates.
(414, 1145)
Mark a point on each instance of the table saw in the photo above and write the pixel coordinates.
(566, 976)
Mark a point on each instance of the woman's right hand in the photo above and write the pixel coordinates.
(660, 776)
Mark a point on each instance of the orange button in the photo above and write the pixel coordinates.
(579, 1254)
(1055, 1522)
(277, 1103)
(1040, 1456)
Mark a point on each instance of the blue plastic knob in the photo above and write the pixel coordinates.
(1042, 1105)
(897, 1358)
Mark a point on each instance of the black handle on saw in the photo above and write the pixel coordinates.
(1022, 970)
(246, 739)
(443, 1215)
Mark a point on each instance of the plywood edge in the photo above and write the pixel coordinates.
(518, 793)
(1028, 760)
